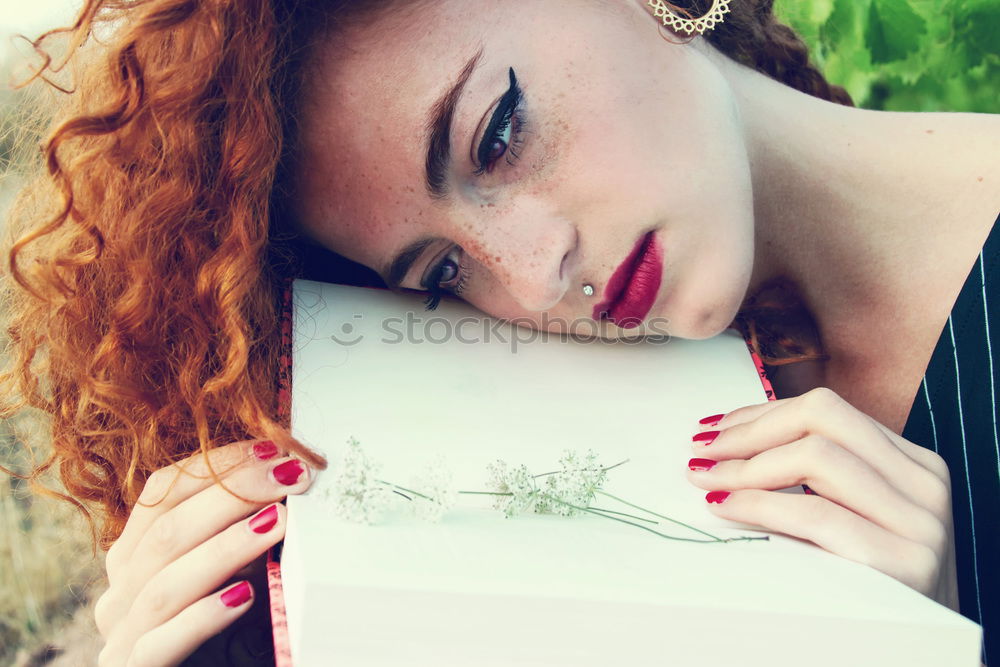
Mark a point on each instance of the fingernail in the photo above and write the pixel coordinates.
(712, 420)
(288, 473)
(265, 450)
(701, 464)
(705, 437)
(717, 497)
(236, 595)
(264, 520)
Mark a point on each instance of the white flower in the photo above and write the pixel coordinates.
(356, 494)
(576, 484)
(435, 482)
(518, 482)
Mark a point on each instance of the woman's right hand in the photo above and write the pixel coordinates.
(186, 537)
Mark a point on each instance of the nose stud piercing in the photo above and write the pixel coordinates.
(699, 25)
(588, 290)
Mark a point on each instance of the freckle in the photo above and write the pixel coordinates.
(497, 259)
(980, 179)
(930, 131)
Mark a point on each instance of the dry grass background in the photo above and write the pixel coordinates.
(49, 576)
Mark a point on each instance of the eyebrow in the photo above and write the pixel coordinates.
(404, 260)
(439, 127)
(435, 167)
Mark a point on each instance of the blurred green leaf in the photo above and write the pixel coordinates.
(905, 55)
(893, 30)
(978, 25)
(841, 27)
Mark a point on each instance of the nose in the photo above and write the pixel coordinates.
(530, 250)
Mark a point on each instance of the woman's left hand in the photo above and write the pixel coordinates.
(881, 500)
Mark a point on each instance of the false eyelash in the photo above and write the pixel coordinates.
(516, 140)
(505, 115)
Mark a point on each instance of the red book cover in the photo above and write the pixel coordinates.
(282, 646)
(279, 623)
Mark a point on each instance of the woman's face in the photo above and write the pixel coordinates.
(582, 148)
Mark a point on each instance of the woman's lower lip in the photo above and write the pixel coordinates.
(634, 285)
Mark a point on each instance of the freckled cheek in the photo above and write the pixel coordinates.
(548, 142)
(580, 154)
(492, 299)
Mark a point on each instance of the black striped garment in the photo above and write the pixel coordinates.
(955, 413)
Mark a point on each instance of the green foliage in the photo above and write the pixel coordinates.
(905, 55)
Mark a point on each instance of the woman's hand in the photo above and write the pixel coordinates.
(881, 500)
(185, 538)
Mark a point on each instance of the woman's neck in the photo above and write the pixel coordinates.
(854, 205)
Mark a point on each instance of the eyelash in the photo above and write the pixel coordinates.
(508, 116)
(433, 282)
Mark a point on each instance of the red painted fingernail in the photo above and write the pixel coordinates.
(265, 450)
(705, 437)
(712, 420)
(264, 520)
(236, 595)
(717, 496)
(288, 472)
(701, 464)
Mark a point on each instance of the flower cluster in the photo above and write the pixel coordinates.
(576, 484)
(515, 489)
(356, 493)
(567, 492)
(437, 492)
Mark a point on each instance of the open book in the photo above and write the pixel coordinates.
(456, 389)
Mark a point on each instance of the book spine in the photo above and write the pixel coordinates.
(279, 624)
(768, 389)
(285, 360)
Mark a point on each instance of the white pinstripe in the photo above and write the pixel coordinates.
(989, 355)
(968, 483)
(930, 410)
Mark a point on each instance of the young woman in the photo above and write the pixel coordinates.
(572, 160)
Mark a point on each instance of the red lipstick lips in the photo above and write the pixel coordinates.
(634, 285)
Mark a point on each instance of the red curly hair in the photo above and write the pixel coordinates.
(149, 255)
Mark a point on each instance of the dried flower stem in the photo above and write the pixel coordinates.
(667, 518)
(600, 512)
(397, 488)
(715, 540)
(631, 516)
(557, 472)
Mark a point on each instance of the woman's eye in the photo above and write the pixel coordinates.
(502, 130)
(447, 272)
(497, 150)
(447, 276)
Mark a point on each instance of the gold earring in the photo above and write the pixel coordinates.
(699, 25)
